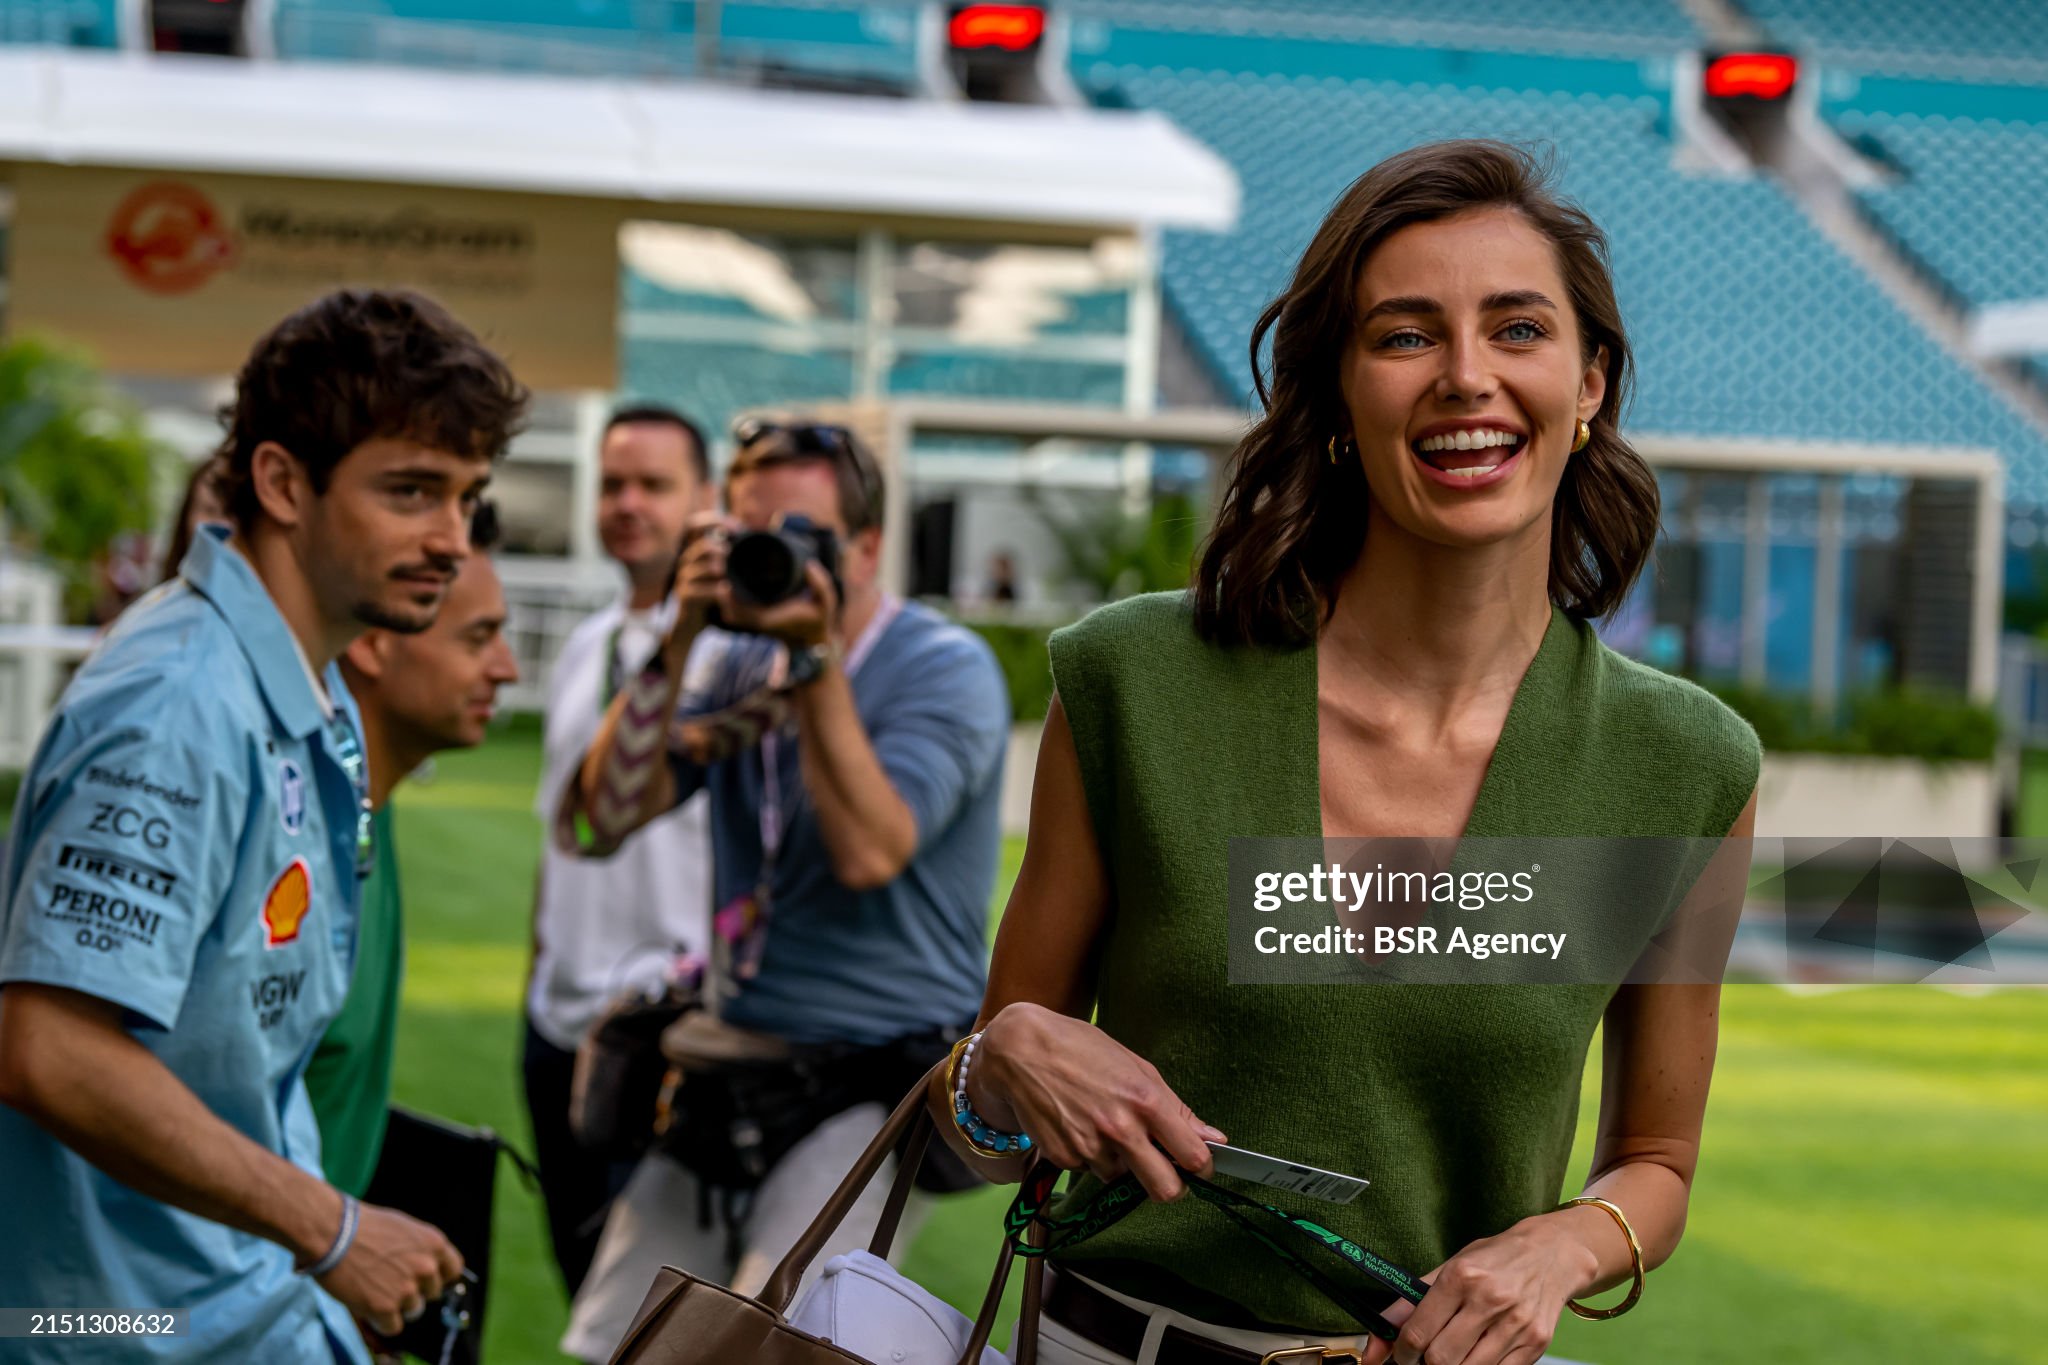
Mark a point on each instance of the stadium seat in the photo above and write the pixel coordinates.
(60, 23)
(1955, 37)
(1596, 22)
(875, 39)
(1968, 202)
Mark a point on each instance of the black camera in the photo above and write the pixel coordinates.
(767, 567)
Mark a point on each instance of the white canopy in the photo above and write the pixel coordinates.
(679, 142)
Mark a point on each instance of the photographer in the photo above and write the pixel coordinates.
(855, 849)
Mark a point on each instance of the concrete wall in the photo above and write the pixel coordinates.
(1840, 795)
(1018, 767)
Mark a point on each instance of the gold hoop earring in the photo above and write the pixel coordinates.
(1333, 447)
(1585, 435)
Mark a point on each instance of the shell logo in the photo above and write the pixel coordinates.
(169, 239)
(284, 909)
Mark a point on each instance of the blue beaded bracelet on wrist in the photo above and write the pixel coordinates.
(981, 1135)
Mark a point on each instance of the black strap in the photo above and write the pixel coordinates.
(1115, 1201)
(528, 1172)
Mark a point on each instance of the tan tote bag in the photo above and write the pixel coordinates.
(688, 1321)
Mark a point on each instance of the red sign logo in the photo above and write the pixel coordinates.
(168, 238)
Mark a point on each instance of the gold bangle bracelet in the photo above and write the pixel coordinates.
(1635, 1252)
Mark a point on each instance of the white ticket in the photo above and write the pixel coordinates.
(1272, 1172)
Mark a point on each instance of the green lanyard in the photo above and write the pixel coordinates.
(1115, 1201)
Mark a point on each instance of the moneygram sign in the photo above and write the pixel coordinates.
(168, 238)
(178, 274)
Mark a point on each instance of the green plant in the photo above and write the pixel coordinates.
(1904, 722)
(1020, 651)
(77, 467)
(1110, 552)
(1927, 725)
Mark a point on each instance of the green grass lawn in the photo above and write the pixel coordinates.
(1874, 1189)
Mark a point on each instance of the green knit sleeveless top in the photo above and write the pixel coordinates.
(1458, 1103)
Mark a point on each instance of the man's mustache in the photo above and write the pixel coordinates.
(438, 566)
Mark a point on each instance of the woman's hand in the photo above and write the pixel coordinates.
(1085, 1099)
(1497, 1302)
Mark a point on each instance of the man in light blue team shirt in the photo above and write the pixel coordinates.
(178, 918)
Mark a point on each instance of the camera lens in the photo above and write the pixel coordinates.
(765, 567)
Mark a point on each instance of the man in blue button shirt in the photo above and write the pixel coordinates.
(178, 917)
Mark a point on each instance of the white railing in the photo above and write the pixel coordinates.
(37, 654)
(545, 599)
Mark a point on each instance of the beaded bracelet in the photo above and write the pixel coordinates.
(986, 1141)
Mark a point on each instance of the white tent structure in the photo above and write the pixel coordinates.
(671, 143)
(329, 155)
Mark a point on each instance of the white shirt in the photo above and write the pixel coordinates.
(608, 925)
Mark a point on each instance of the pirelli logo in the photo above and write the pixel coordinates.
(114, 867)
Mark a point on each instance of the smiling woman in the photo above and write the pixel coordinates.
(1388, 636)
(1511, 327)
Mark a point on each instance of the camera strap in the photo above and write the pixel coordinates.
(655, 622)
(742, 924)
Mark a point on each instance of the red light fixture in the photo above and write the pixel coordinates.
(1010, 28)
(1752, 75)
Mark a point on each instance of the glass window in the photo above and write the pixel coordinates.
(718, 273)
(994, 375)
(713, 381)
(999, 294)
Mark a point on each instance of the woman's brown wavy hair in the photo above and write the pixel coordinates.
(1288, 526)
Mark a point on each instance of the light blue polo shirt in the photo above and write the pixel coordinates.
(184, 846)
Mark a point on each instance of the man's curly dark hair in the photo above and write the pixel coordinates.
(360, 365)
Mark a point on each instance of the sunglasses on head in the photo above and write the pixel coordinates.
(835, 443)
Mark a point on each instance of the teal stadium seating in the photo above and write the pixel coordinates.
(59, 23)
(874, 40)
(1953, 37)
(1595, 24)
(1970, 187)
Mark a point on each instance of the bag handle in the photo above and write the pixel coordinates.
(909, 1157)
(782, 1284)
(1024, 1341)
(907, 1133)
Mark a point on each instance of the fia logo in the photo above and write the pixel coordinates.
(291, 796)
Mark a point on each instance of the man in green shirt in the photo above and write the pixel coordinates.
(419, 694)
